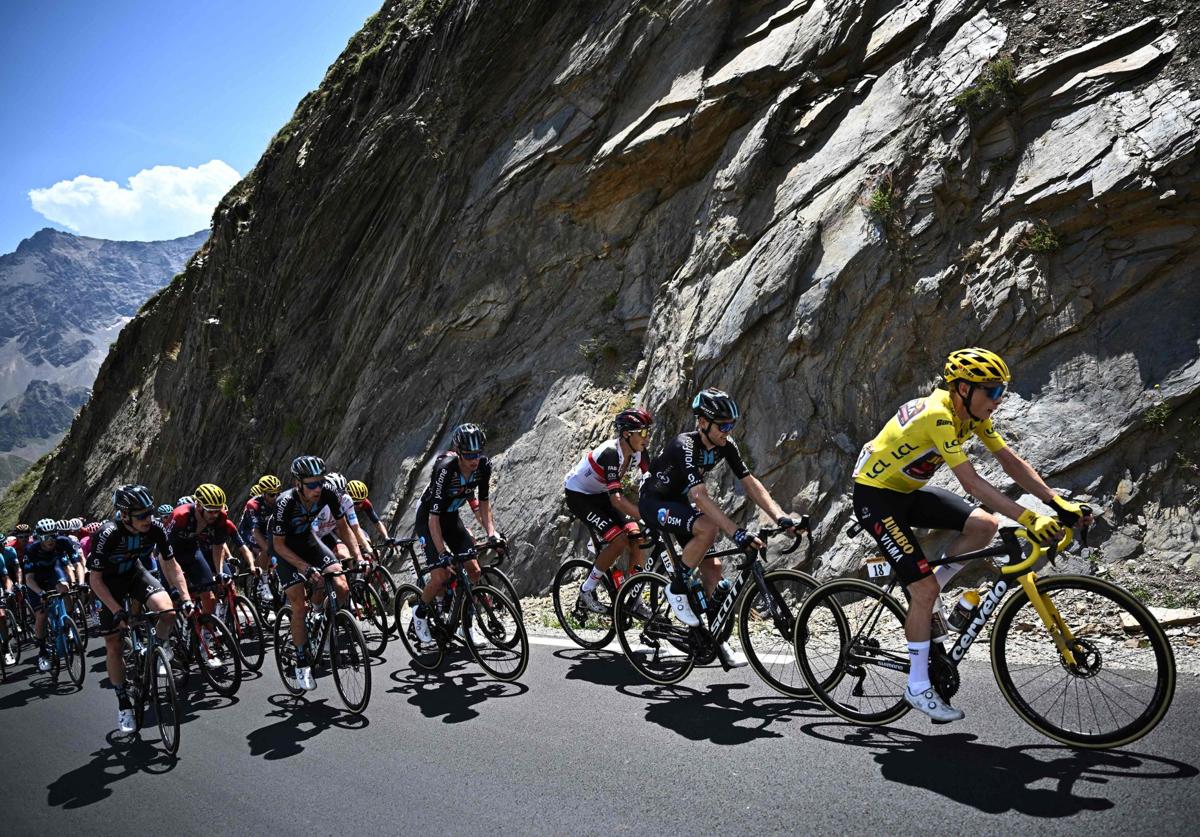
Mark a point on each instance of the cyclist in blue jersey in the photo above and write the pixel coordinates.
(46, 562)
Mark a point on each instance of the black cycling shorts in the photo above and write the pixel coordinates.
(137, 584)
(313, 552)
(458, 540)
(890, 516)
(330, 540)
(674, 516)
(597, 512)
(197, 570)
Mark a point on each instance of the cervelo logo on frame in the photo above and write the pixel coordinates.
(989, 603)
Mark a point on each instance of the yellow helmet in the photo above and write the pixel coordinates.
(267, 484)
(209, 496)
(975, 365)
(358, 490)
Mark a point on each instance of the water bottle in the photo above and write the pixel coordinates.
(720, 592)
(696, 586)
(964, 611)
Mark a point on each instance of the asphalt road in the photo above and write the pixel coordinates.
(581, 746)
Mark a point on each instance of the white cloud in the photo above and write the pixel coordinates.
(158, 203)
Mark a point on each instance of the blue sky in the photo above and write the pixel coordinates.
(182, 97)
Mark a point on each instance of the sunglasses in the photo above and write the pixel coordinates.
(313, 486)
(472, 456)
(271, 494)
(212, 509)
(142, 515)
(644, 432)
(726, 426)
(995, 392)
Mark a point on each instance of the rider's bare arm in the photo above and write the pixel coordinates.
(985, 492)
(699, 496)
(348, 538)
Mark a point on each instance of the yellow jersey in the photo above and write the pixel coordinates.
(914, 443)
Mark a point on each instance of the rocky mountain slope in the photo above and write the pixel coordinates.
(33, 420)
(530, 213)
(67, 298)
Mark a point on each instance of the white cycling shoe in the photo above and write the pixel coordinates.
(731, 658)
(683, 610)
(125, 722)
(931, 703)
(304, 678)
(588, 599)
(476, 639)
(420, 626)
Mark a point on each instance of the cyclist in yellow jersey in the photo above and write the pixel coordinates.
(891, 497)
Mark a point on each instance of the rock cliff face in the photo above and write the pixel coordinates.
(527, 214)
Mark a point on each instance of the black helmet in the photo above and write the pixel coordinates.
(308, 466)
(132, 496)
(715, 405)
(635, 418)
(469, 437)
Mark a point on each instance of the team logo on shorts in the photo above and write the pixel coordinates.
(662, 517)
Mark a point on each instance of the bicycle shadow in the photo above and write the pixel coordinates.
(125, 756)
(602, 668)
(40, 686)
(714, 715)
(452, 692)
(995, 779)
(300, 719)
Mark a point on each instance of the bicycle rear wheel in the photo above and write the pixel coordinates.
(285, 651)
(766, 630)
(165, 703)
(425, 655)
(585, 628)
(217, 656)
(246, 626)
(385, 585)
(504, 651)
(1121, 682)
(78, 614)
(367, 607)
(655, 642)
(349, 662)
(851, 649)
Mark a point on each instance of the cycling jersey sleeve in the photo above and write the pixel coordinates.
(329, 498)
(439, 485)
(283, 508)
(692, 472)
(369, 511)
(609, 465)
(733, 456)
(158, 537)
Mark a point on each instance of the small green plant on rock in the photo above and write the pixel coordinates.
(995, 87)
(1159, 413)
(1040, 238)
(884, 203)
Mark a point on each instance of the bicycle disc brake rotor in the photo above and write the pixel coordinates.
(1088, 660)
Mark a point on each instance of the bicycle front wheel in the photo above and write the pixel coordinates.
(766, 628)
(165, 702)
(585, 628)
(495, 577)
(655, 642)
(217, 656)
(385, 585)
(349, 662)
(246, 627)
(851, 649)
(498, 642)
(73, 660)
(1119, 684)
(367, 607)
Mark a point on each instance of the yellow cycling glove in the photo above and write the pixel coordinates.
(1042, 530)
(1068, 512)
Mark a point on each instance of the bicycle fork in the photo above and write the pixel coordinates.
(1056, 626)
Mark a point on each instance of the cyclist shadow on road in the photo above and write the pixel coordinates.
(997, 779)
(124, 757)
(715, 715)
(452, 692)
(299, 720)
(40, 687)
(602, 668)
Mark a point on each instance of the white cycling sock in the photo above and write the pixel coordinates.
(593, 579)
(918, 672)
